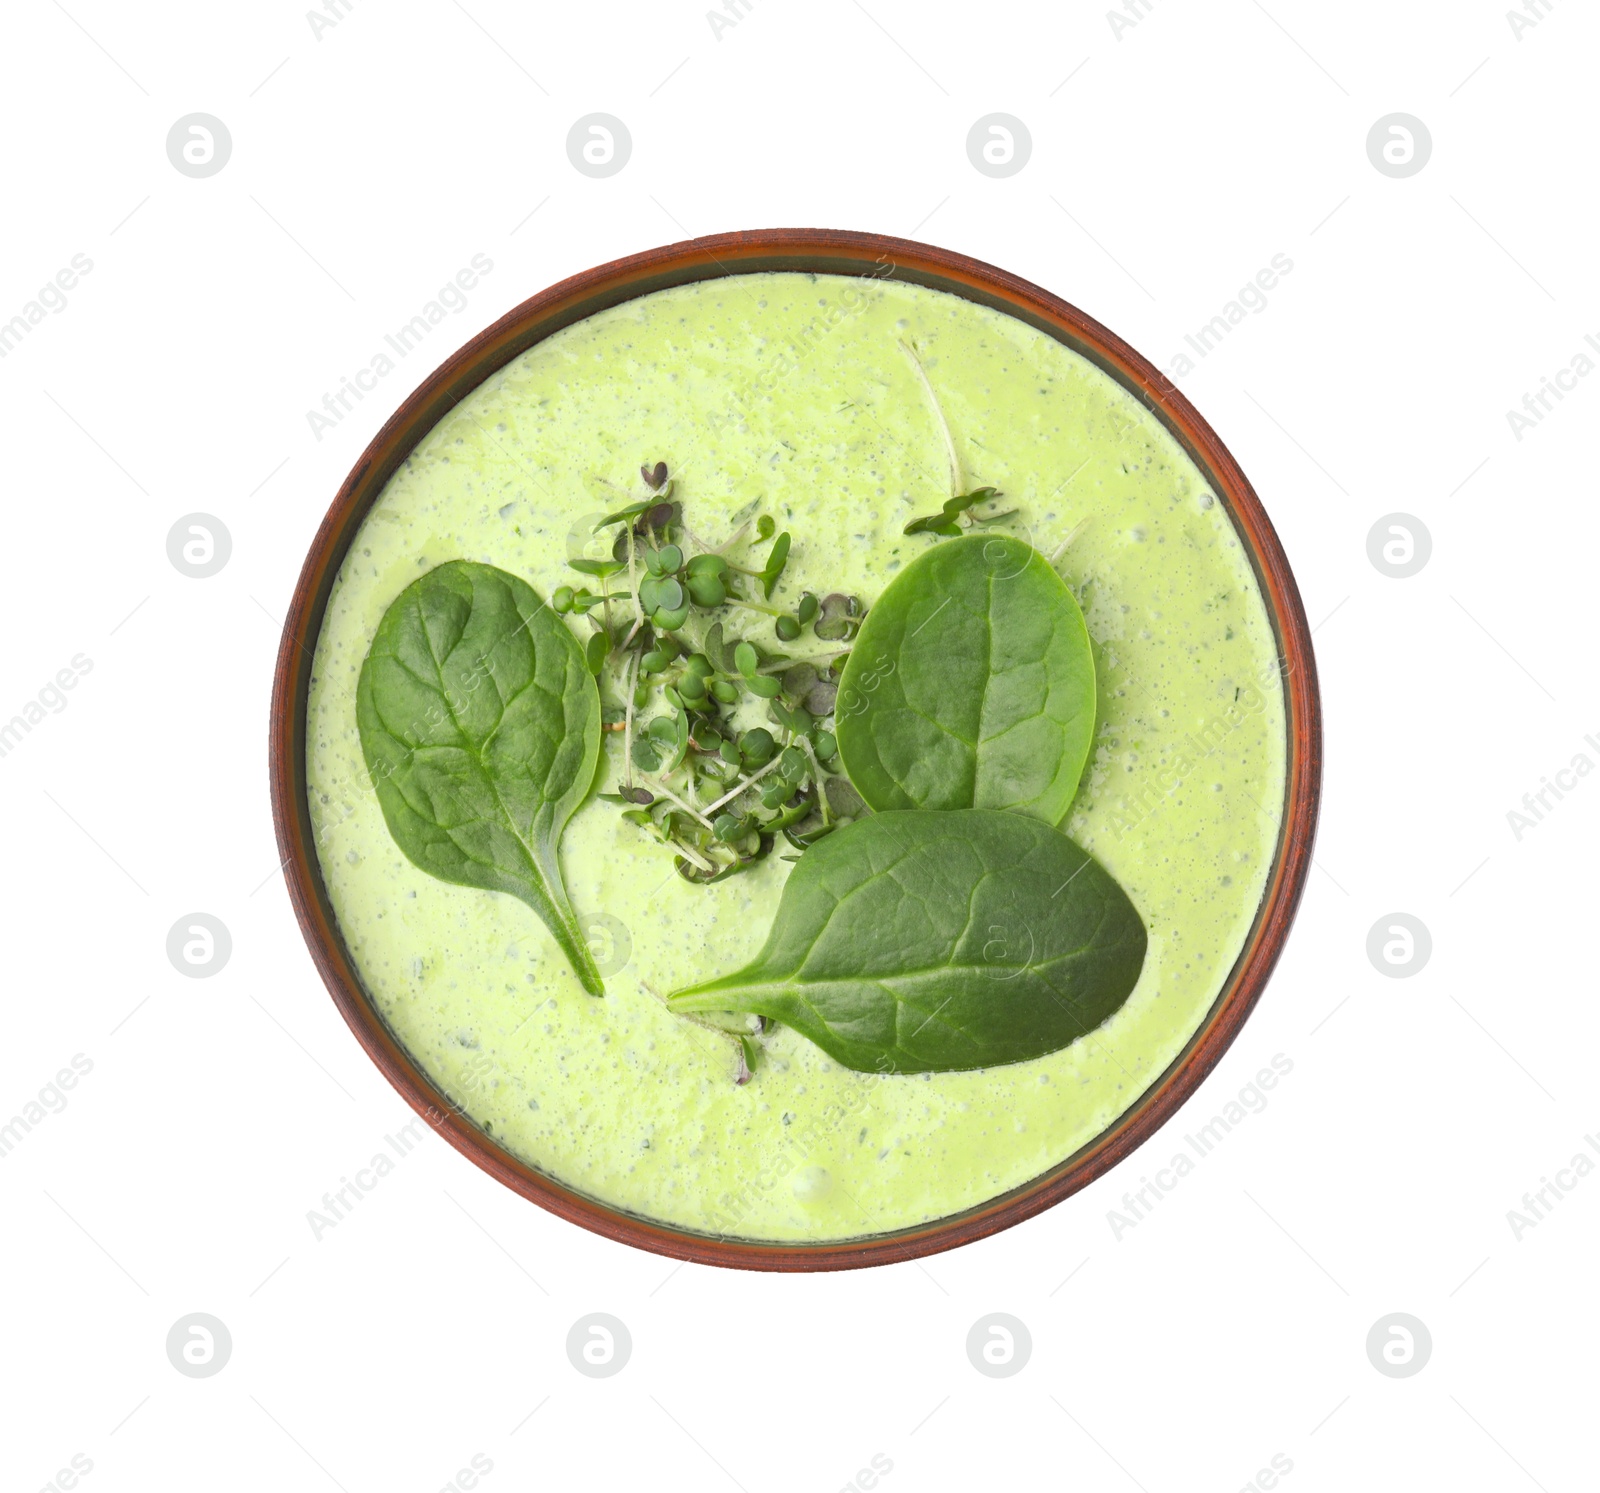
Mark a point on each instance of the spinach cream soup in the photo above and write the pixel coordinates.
(841, 410)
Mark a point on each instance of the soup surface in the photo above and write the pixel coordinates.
(791, 390)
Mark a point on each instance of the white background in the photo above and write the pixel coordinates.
(369, 164)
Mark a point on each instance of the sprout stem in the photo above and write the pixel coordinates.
(630, 681)
(739, 788)
(656, 786)
(728, 543)
(693, 856)
(816, 777)
(944, 429)
(1061, 548)
(633, 587)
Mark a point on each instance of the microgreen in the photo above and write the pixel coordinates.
(721, 788)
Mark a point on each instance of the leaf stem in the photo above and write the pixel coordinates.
(576, 947)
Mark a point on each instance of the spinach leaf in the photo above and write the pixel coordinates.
(933, 941)
(970, 685)
(480, 724)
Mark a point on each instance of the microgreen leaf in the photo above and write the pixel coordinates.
(945, 521)
(601, 568)
(633, 510)
(706, 589)
(836, 618)
(776, 560)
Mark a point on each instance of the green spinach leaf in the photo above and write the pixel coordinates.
(931, 941)
(970, 685)
(480, 724)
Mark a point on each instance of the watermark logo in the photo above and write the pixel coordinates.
(999, 145)
(340, 1202)
(50, 297)
(1399, 545)
(198, 945)
(199, 545)
(1251, 299)
(1533, 11)
(609, 941)
(850, 301)
(67, 1478)
(333, 12)
(599, 1345)
(199, 1345)
(1194, 750)
(869, 1477)
(1269, 1477)
(199, 145)
(854, 701)
(1133, 11)
(1539, 1203)
(728, 17)
(1399, 945)
(50, 1100)
(1140, 1202)
(1552, 389)
(50, 697)
(1399, 1345)
(1399, 145)
(788, 1158)
(449, 300)
(999, 1345)
(1562, 782)
(599, 145)
(467, 1478)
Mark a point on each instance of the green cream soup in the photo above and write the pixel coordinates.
(793, 390)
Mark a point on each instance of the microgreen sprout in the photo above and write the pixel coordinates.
(959, 512)
(724, 736)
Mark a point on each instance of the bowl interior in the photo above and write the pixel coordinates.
(839, 253)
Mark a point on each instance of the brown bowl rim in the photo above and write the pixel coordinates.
(821, 251)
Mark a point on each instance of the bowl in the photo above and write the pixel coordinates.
(834, 252)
